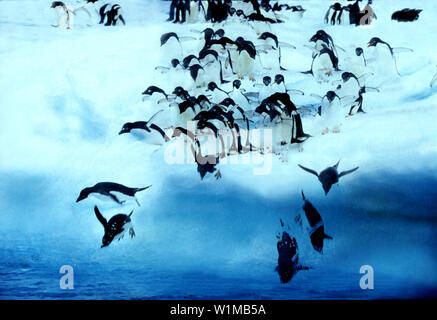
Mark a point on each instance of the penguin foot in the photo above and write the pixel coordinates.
(299, 148)
(218, 175)
(251, 78)
(336, 130)
(131, 232)
(325, 131)
(328, 73)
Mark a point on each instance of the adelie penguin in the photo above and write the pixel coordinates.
(317, 231)
(384, 53)
(111, 15)
(145, 127)
(329, 176)
(110, 190)
(288, 257)
(64, 15)
(116, 227)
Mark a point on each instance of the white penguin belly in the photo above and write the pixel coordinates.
(245, 64)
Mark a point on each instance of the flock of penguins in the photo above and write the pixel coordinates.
(225, 61)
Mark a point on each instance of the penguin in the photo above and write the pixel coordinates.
(152, 90)
(356, 63)
(271, 42)
(90, 10)
(266, 89)
(329, 176)
(116, 227)
(336, 16)
(383, 53)
(64, 15)
(325, 63)
(288, 257)
(209, 163)
(218, 94)
(330, 112)
(110, 15)
(238, 96)
(317, 231)
(246, 54)
(171, 44)
(108, 189)
(406, 15)
(145, 127)
(350, 85)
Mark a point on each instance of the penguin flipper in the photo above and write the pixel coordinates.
(100, 217)
(113, 197)
(343, 173)
(309, 170)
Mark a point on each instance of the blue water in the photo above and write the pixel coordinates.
(214, 240)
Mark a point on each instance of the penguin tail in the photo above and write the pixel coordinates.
(141, 189)
(325, 236)
(303, 196)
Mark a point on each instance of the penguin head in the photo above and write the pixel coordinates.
(178, 91)
(56, 4)
(106, 240)
(373, 42)
(220, 33)
(345, 76)
(83, 194)
(236, 84)
(232, 11)
(127, 127)
(212, 86)
(330, 95)
(267, 80)
(148, 91)
(359, 51)
(279, 78)
(208, 32)
(175, 63)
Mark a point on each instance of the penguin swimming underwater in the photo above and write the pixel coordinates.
(116, 227)
(108, 189)
(288, 257)
(329, 176)
(317, 231)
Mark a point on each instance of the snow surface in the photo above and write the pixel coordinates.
(65, 95)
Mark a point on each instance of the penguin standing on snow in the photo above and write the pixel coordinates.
(238, 96)
(246, 55)
(116, 227)
(317, 231)
(383, 54)
(325, 63)
(111, 15)
(330, 112)
(64, 15)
